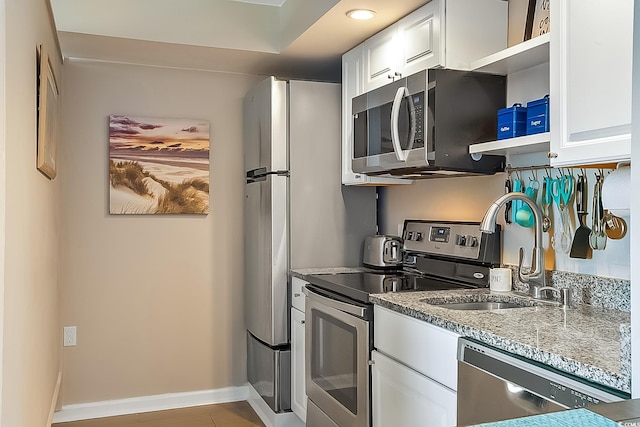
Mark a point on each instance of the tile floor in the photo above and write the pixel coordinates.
(234, 414)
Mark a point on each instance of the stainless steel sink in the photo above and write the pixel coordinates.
(480, 305)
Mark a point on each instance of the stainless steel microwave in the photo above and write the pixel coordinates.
(422, 125)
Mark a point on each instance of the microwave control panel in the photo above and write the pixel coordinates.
(417, 100)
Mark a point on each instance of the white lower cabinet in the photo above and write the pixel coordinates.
(402, 397)
(298, 390)
(414, 372)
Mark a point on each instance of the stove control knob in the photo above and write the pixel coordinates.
(471, 241)
(461, 240)
(419, 236)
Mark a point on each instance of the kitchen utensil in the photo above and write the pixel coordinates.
(614, 226)
(561, 191)
(524, 215)
(580, 247)
(516, 204)
(546, 201)
(507, 209)
(597, 237)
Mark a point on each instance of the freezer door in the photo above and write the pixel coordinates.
(265, 126)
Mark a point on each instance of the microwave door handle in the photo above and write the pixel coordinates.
(401, 155)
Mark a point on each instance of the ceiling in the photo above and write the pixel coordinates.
(286, 38)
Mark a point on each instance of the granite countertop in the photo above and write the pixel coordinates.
(585, 341)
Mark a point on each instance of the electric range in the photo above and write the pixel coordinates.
(339, 317)
(438, 255)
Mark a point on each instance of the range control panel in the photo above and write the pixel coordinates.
(455, 239)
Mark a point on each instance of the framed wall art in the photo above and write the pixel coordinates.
(158, 166)
(47, 116)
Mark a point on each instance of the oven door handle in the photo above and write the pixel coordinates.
(338, 305)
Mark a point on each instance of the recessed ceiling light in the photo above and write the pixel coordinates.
(361, 14)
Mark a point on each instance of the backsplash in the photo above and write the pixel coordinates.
(597, 291)
(467, 199)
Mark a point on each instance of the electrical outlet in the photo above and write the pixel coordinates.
(69, 338)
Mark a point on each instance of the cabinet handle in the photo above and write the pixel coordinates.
(302, 322)
(552, 155)
(371, 362)
(389, 76)
(397, 74)
(296, 295)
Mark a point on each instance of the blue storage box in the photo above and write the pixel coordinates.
(512, 121)
(538, 116)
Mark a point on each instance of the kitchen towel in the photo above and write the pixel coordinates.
(573, 418)
(616, 191)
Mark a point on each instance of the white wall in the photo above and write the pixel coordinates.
(3, 182)
(29, 225)
(157, 300)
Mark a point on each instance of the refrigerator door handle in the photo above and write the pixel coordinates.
(260, 174)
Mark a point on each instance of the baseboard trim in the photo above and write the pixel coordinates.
(54, 399)
(266, 414)
(159, 402)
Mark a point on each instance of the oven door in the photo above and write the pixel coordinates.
(337, 350)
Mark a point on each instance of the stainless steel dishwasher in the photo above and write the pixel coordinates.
(494, 385)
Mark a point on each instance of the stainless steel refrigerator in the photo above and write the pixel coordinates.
(297, 214)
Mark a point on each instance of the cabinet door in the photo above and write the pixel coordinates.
(591, 54)
(298, 390)
(401, 397)
(429, 349)
(353, 85)
(380, 59)
(418, 39)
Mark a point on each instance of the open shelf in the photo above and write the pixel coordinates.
(535, 143)
(516, 58)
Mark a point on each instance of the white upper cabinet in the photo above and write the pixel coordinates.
(380, 59)
(352, 85)
(409, 46)
(591, 55)
(442, 33)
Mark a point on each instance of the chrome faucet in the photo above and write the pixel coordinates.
(563, 293)
(535, 277)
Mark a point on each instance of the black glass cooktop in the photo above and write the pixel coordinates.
(359, 285)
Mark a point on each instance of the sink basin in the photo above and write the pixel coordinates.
(480, 305)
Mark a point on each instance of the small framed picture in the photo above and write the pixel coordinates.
(541, 24)
(47, 116)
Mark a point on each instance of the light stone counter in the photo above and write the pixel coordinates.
(585, 341)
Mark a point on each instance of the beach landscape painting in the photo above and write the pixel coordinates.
(158, 166)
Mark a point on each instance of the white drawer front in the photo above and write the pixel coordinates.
(428, 349)
(297, 297)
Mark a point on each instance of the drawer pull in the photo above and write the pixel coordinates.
(296, 295)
